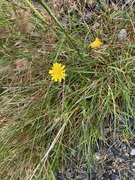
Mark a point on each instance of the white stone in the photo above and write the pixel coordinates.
(132, 152)
(97, 156)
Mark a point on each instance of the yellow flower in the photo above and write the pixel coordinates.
(57, 72)
(96, 43)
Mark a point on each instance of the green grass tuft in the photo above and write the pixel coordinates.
(43, 122)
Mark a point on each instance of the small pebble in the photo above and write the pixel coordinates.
(132, 152)
(96, 25)
(115, 177)
(97, 156)
(122, 34)
(97, 8)
(64, 21)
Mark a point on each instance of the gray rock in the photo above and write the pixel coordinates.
(64, 21)
(122, 34)
(97, 8)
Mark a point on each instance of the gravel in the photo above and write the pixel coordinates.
(114, 160)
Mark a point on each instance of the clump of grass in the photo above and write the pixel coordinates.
(42, 121)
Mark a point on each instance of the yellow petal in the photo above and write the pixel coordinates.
(96, 43)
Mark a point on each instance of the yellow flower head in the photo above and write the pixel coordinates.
(57, 72)
(96, 43)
